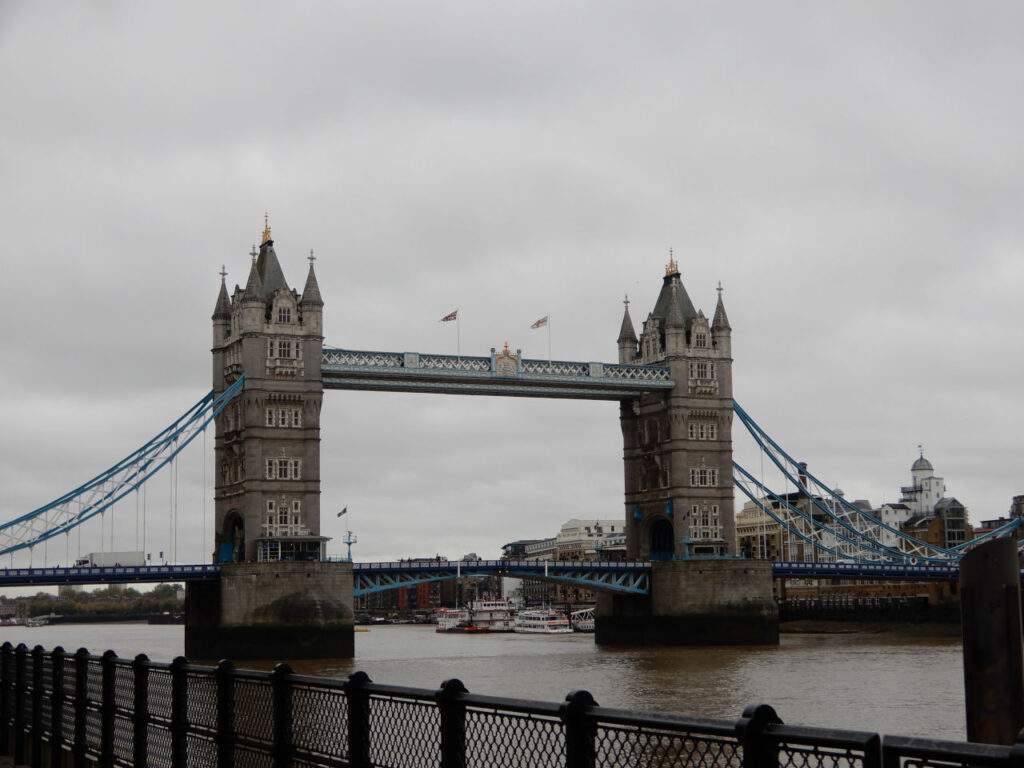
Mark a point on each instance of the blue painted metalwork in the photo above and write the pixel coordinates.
(450, 374)
(854, 527)
(121, 574)
(925, 572)
(617, 577)
(100, 493)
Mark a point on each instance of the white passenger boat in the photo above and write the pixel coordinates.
(542, 621)
(479, 616)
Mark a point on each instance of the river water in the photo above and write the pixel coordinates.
(879, 682)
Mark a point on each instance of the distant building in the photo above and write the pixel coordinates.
(933, 517)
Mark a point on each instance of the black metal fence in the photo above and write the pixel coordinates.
(60, 709)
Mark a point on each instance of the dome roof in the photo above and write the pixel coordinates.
(922, 463)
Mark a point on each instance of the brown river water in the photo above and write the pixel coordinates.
(883, 682)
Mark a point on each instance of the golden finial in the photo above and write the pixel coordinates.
(506, 350)
(266, 230)
(671, 268)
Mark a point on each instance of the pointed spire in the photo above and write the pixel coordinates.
(311, 292)
(222, 311)
(271, 275)
(721, 321)
(626, 332)
(254, 286)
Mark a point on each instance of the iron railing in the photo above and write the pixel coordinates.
(60, 709)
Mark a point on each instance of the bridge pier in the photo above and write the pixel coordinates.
(694, 602)
(272, 611)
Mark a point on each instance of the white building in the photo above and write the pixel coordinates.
(581, 539)
(925, 490)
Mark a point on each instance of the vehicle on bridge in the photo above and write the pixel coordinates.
(110, 559)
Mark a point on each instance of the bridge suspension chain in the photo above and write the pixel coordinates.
(99, 494)
(834, 527)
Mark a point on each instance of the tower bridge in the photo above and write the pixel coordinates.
(270, 591)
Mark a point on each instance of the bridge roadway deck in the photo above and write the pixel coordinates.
(622, 577)
(495, 375)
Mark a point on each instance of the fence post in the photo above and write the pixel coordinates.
(358, 719)
(759, 751)
(281, 686)
(140, 713)
(580, 730)
(453, 723)
(81, 705)
(6, 696)
(38, 687)
(225, 679)
(20, 689)
(107, 705)
(56, 706)
(179, 713)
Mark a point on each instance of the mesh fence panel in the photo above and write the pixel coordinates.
(254, 709)
(158, 745)
(202, 751)
(512, 740)
(159, 694)
(404, 733)
(124, 687)
(636, 746)
(124, 738)
(812, 756)
(247, 758)
(202, 700)
(320, 720)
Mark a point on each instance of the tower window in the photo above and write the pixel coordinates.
(284, 469)
(284, 314)
(699, 430)
(701, 340)
(703, 476)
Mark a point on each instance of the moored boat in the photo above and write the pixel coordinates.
(478, 616)
(542, 621)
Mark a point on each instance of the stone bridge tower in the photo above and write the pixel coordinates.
(677, 448)
(277, 597)
(267, 449)
(678, 444)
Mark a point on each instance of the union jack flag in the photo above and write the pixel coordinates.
(449, 317)
(542, 322)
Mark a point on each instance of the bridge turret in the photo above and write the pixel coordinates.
(312, 305)
(720, 327)
(221, 329)
(627, 337)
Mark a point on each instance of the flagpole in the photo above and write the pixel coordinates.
(458, 337)
(549, 339)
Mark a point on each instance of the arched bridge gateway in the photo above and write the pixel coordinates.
(275, 593)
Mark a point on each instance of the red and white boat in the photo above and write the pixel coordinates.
(478, 616)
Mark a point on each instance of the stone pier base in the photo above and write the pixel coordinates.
(694, 602)
(272, 611)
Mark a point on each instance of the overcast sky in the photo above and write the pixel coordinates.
(851, 173)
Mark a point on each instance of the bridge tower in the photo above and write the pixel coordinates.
(677, 450)
(277, 597)
(678, 444)
(267, 449)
